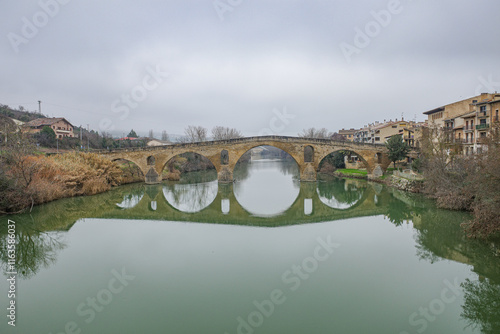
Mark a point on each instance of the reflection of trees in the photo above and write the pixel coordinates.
(481, 306)
(130, 200)
(198, 177)
(34, 250)
(190, 197)
(398, 211)
(241, 171)
(339, 193)
(290, 168)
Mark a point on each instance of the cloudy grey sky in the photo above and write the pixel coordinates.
(260, 66)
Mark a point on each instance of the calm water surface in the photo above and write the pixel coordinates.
(266, 254)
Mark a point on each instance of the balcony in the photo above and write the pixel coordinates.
(495, 119)
(469, 128)
(482, 126)
(482, 114)
(460, 141)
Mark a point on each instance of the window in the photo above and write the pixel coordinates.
(483, 108)
(394, 126)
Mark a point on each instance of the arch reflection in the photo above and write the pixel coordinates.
(270, 187)
(130, 201)
(190, 198)
(340, 194)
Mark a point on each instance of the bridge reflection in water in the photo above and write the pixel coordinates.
(42, 234)
(216, 203)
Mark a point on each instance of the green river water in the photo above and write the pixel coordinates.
(266, 254)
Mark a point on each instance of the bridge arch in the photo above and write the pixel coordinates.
(284, 148)
(138, 165)
(331, 152)
(225, 172)
(183, 154)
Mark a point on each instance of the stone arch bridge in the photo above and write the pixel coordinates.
(224, 154)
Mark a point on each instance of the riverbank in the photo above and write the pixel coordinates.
(29, 180)
(395, 179)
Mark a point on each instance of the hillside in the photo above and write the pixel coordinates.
(19, 114)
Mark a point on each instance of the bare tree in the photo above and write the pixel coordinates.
(164, 135)
(151, 134)
(195, 134)
(322, 133)
(224, 133)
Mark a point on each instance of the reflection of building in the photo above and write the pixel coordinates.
(60, 125)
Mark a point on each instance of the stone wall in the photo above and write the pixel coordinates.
(401, 183)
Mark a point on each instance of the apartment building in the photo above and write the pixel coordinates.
(367, 133)
(379, 133)
(466, 122)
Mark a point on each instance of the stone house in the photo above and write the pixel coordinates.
(60, 125)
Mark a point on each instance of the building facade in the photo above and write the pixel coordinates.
(467, 122)
(60, 125)
(348, 134)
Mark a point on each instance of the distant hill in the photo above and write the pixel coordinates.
(21, 115)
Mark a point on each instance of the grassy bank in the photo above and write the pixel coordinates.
(27, 180)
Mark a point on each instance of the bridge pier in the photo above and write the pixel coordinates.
(152, 176)
(308, 172)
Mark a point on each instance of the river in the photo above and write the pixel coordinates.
(266, 254)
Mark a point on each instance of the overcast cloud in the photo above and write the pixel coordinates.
(241, 63)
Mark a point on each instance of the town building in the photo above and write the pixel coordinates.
(60, 125)
(157, 142)
(468, 121)
(348, 134)
(380, 132)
